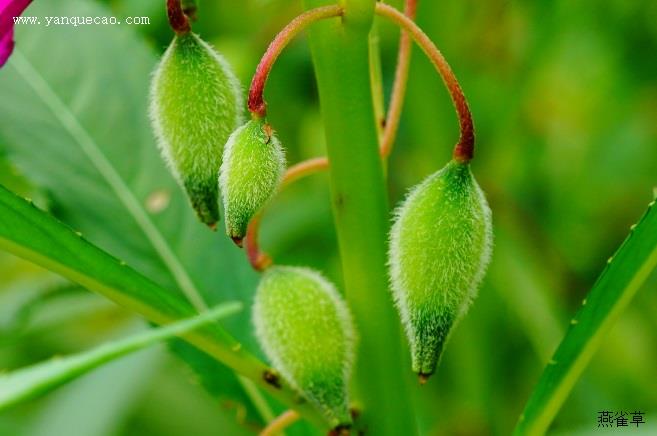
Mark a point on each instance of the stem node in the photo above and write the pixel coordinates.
(177, 18)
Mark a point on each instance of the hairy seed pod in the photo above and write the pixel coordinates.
(440, 247)
(196, 102)
(252, 167)
(305, 329)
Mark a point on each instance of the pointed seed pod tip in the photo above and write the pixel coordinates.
(252, 168)
(440, 247)
(195, 103)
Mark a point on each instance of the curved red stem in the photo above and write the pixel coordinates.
(256, 103)
(464, 149)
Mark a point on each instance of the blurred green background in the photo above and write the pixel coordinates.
(564, 97)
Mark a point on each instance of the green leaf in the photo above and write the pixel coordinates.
(32, 234)
(27, 383)
(89, 144)
(625, 273)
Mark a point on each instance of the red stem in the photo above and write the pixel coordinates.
(258, 259)
(177, 18)
(464, 149)
(399, 85)
(279, 424)
(257, 105)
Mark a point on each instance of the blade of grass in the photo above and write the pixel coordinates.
(27, 383)
(36, 236)
(624, 274)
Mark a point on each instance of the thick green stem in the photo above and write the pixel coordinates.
(340, 54)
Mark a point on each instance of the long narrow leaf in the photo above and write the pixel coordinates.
(625, 273)
(36, 236)
(27, 383)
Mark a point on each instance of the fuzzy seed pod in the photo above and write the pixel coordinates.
(305, 329)
(252, 167)
(440, 247)
(196, 102)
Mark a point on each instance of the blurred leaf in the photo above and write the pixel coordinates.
(12, 179)
(525, 288)
(625, 273)
(27, 383)
(99, 403)
(173, 407)
(56, 307)
(32, 234)
(97, 157)
(19, 296)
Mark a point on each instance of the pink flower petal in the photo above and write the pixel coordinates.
(8, 10)
(12, 8)
(6, 46)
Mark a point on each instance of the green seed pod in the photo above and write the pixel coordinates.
(440, 247)
(196, 102)
(252, 167)
(305, 329)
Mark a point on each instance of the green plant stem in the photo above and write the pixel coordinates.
(387, 127)
(341, 58)
(376, 79)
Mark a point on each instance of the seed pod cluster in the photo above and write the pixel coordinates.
(440, 247)
(305, 329)
(196, 102)
(252, 168)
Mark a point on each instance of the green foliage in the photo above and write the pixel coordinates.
(305, 328)
(36, 236)
(32, 234)
(440, 247)
(564, 110)
(624, 275)
(252, 168)
(110, 183)
(196, 102)
(27, 383)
